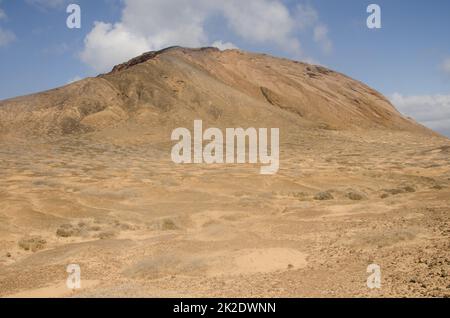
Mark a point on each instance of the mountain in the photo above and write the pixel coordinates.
(223, 88)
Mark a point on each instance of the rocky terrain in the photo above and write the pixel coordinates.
(86, 178)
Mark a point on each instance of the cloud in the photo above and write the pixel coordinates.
(6, 36)
(47, 4)
(147, 25)
(107, 45)
(164, 23)
(224, 46)
(2, 14)
(446, 65)
(262, 21)
(308, 18)
(321, 37)
(432, 111)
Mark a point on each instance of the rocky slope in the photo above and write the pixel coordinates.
(174, 86)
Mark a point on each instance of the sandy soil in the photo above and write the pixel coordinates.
(86, 178)
(139, 225)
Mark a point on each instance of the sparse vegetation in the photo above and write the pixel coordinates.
(356, 196)
(323, 196)
(106, 235)
(168, 225)
(409, 189)
(33, 243)
(394, 191)
(66, 230)
(95, 228)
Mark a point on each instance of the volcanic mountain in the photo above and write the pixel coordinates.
(231, 88)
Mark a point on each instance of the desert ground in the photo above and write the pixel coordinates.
(111, 200)
(140, 226)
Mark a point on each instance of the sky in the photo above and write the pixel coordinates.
(407, 59)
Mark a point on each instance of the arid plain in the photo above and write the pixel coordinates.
(86, 178)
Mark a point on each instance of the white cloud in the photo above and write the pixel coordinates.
(446, 65)
(306, 16)
(165, 23)
(147, 25)
(107, 45)
(6, 36)
(321, 37)
(224, 46)
(431, 110)
(2, 14)
(47, 4)
(262, 21)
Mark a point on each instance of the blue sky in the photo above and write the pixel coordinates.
(408, 59)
